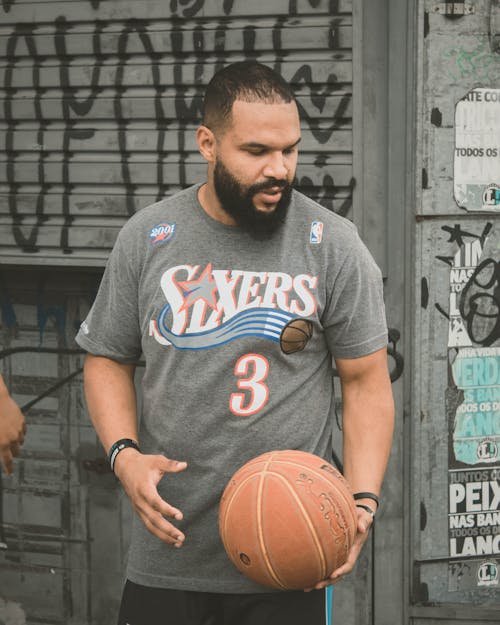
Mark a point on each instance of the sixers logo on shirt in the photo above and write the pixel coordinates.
(207, 307)
(161, 233)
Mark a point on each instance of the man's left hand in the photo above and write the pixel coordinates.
(365, 521)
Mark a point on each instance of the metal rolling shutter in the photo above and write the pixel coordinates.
(99, 103)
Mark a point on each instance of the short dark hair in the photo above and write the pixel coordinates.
(248, 81)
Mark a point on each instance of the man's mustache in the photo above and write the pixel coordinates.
(271, 183)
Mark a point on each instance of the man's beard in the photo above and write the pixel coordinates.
(237, 201)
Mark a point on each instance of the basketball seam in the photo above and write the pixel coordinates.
(312, 529)
(317, 473)
(339, 491)
(229, 503)
(262, 543)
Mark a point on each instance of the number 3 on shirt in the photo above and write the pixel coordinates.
(253, 370)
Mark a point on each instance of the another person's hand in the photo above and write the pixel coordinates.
(140, 475)
(365, 520)
(12, 430)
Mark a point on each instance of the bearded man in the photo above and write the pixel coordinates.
(202, 284)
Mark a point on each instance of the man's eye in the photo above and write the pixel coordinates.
(256, 152)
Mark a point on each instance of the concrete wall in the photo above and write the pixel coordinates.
(455, 429)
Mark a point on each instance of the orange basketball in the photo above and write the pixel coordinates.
(287, 519)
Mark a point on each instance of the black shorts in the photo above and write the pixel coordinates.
(142, 605)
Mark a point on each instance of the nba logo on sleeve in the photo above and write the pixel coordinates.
(316, 234)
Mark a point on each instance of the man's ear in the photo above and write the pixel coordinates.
(206, 143)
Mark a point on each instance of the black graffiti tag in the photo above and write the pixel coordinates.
(77, 104)
(397, 368)
(456, 235)
(480, 303)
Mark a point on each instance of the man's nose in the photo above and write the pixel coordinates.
(275, 166)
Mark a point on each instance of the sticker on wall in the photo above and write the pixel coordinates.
(465, 263)
(476, 428)
(471, 575)
(474, 516)
(472, 402)
(474, 470)
(476, 172)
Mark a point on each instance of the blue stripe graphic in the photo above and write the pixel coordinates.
(262, 322)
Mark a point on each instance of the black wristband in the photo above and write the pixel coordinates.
(123, 443)
(367, 508)
(371, 496)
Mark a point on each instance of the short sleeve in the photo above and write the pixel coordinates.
(112, 327)
(354, 320)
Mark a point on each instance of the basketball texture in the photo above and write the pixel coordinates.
(287, 519)
(295, 335)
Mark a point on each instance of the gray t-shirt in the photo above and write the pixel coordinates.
(205, 304)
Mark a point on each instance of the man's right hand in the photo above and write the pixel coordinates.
(140, 474)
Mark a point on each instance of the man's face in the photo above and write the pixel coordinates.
(255, 165)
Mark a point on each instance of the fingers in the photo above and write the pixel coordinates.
(22, 433)
(165, 509)
(337, 575)
(7, 461)
(345, 569)
(365, 521)
(15, 448)
(11, 452)
(153, 509)
(12, 432)
(161, 528)
(166, 465)
(140, 476)
(157, 508)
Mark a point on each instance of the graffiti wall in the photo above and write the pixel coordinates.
(100, 100)
(457, 348)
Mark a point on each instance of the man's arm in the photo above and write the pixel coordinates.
(368, 420)
(12, 428)
(368, 423)
(111, 400)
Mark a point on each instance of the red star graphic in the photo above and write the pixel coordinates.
(203, 288)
